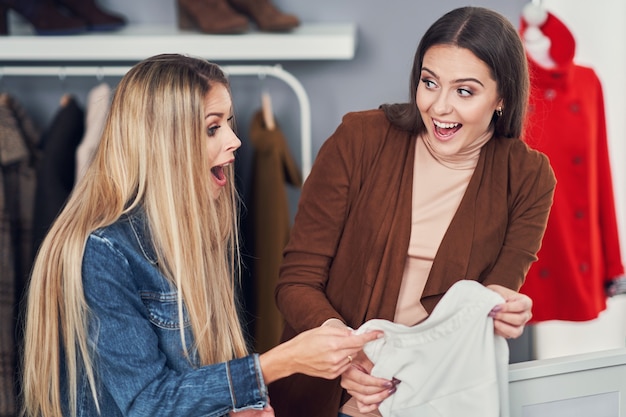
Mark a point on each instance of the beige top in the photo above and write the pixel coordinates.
(439, 182)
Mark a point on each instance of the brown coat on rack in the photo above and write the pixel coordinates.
(274, 167)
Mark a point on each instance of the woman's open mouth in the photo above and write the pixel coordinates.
(445, 130)
(218, 174)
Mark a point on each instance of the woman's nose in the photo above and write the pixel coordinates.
(232, 142)
(442, 104)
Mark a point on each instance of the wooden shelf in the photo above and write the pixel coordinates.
(310, 41)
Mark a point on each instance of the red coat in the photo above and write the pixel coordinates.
(580, 250)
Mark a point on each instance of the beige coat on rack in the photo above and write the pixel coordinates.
(98, 101)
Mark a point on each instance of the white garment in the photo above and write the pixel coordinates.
(450, 365)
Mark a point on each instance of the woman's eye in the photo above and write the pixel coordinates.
(464, 92)
(212, 130)
(428, 83)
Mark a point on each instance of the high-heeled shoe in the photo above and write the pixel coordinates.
(97, 19)
(210, 16)
(43, 15)
(266, 15)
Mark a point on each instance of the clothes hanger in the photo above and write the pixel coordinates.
(5, 97)
(100, 75)
(2, 92)
(268, 113)
(65, 97)
(266, 107)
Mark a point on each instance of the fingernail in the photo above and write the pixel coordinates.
(392, 390)
(495, 310)
(388, 384)
(395, 381)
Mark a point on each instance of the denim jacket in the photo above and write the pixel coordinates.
(134, 331)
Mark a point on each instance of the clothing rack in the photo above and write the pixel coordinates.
(231, 70)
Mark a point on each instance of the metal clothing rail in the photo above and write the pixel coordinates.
(231, 70)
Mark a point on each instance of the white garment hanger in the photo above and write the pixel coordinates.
(266, 106)
(268, 113)
(65, 96)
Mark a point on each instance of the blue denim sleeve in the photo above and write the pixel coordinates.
(130, 363)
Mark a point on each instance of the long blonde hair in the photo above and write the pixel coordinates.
(152, 154)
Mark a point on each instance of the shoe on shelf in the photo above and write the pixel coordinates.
(210, 16)
(97, 19)
(266, 16)
(43, 15)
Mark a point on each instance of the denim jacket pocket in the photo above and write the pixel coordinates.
(162, 310)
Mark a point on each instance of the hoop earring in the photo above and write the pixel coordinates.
(499, 111)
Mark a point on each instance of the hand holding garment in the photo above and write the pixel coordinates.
(451, 364)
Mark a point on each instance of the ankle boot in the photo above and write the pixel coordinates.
(44, 15)
(266, 16)
(210, 16)
(96, 18)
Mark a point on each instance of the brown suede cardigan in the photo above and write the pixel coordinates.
(348, 245)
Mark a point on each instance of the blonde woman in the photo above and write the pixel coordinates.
(131, 306)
